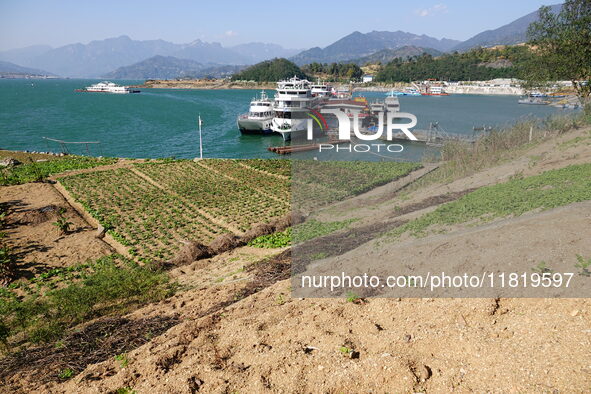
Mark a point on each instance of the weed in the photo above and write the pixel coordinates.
(542, 268)
(37, 171)
(352, 297)
(125, 390)
(319, 256)
(122, 359)
(280, 300)
(314, 229)
(583, 265)
(65, 374)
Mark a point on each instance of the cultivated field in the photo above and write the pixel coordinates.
(151, 207)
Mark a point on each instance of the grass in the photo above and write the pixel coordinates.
(60, 299)
(314, 229)
(37, 171)
(548, 190)
(462, 159)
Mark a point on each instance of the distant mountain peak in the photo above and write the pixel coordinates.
(359, 45)
(509, 34)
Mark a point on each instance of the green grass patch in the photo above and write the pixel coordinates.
(276, 240)
(37, 171)
(551, 189)
(314, 229)
(62, 298)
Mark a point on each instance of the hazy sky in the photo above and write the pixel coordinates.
(297, 24)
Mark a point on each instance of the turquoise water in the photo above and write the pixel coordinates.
(163, 123)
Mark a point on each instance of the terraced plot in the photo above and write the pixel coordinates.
(151, 207)
(319, 183)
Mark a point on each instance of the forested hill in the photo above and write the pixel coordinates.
(270, 71)
(477, 64)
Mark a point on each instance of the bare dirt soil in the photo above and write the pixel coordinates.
(32, 210)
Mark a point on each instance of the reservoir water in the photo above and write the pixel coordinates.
(163, 123)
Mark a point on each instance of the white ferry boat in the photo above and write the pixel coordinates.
(409, 91)
(259, 117)
(108, 87)
(293, 102)
(321, 89)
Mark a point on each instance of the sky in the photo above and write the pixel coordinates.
(299, 24)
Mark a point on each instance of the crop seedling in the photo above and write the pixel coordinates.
(62, 224)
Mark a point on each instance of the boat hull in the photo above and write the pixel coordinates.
(254, 126)
(289, 135)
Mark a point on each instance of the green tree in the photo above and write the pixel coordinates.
(563, 44)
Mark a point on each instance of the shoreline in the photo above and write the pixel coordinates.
(203, 84)
(219, 84)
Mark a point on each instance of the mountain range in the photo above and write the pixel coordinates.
(157, 58)
(510, 34)
(358, 45)
(98, 58)
(169, 67)
(15, 69)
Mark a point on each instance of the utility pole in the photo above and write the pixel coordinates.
(200, 139)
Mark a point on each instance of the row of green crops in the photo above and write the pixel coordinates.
(37, 171)
(138, 214)
(239, 201)
(317, 183)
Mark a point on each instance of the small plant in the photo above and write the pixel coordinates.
(352, 297)
(345, 350)
(66, 374)
(583, 265)
(542, 268)
(123, 360)
(6, 264)
(280, 300)
(62, 224)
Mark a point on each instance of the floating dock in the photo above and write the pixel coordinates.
(286, 150)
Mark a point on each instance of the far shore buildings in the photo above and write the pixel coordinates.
(367, 79)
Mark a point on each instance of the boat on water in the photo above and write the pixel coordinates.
(408, 91)
(321, 89)
(394, 93)
(435, 91)
(259, 117)
(108, 87)
(293, 105)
